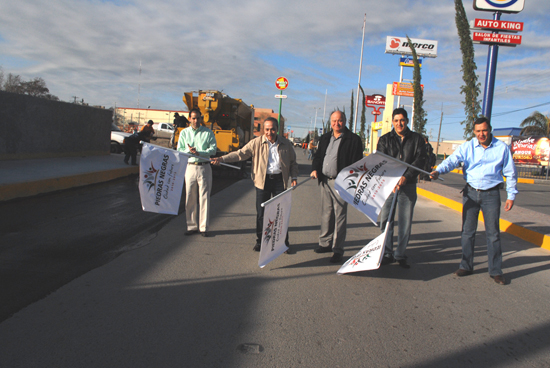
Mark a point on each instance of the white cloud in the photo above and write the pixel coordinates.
(92, 49)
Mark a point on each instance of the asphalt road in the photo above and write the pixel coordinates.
(204, 302)
(48, 240)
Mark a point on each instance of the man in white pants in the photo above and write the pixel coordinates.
(199, 141)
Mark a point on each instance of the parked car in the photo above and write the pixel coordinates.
(163, 130)
(117, 139)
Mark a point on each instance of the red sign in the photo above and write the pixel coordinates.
(375, 100)
(376, 112)
(531, 150)
(281, 83)
(499, 38)
(499, 25)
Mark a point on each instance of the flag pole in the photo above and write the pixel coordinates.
(404, 163)
(191, 155)
(280, 194)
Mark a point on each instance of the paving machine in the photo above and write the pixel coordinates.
(231, 120)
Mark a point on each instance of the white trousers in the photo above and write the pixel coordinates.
(198, 184)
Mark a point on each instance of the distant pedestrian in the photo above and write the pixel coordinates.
(486, 159)
(430, 161)
(131, 146)
(148, 128)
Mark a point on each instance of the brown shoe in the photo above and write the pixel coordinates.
(499, 279)
(462, 272)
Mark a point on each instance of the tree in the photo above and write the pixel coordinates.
(471, 87)
(35, 87)
(350, 126)
(13, 84)
(536, 124)
(419, 122)
(363, 118)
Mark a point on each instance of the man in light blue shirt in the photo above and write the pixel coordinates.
(199, 141)
(486, 160)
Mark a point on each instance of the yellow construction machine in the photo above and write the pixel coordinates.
(231, 120)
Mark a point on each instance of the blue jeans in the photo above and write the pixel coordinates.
(406, 199)
(489, 203)
(272, 187)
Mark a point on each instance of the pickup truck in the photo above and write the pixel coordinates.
(117, 139)
(163, 130)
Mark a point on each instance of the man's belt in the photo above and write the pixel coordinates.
(273, 176)
(496, 187)
(198, 163)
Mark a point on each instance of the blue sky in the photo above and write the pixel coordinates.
(92, 50)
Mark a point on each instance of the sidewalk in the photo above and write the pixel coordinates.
(25, 178)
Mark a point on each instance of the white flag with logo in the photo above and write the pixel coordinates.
(161, 178)
(368, 258)
(276, 220)
(367, 183)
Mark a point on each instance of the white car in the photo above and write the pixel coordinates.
(117, 139)
(163, 130)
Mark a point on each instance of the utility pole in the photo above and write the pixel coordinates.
(439, 134)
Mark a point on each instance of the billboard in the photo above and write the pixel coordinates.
(408, 61)
(404, 89)
(505, 6)
(531, 150)
(400, 45)
(497, 25)
(502, 39)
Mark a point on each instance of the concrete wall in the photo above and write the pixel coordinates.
(32, 127)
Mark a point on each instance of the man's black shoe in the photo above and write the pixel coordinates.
(462, 272)
(320, 249)
(190, 232)
(499, 279)
(205, 234)
(257, 248)
(386, 260)
(336, 258)
(403, 263)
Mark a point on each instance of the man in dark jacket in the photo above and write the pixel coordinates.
(335, 151)
(407, 146)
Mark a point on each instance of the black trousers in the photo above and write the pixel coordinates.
(273, 185)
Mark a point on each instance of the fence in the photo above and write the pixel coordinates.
(532, 171)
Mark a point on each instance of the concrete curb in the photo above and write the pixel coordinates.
(28, 189)
(533, 237)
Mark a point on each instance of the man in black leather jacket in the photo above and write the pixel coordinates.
(407, 146)
(336, 150)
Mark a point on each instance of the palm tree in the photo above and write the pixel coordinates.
(536, 124)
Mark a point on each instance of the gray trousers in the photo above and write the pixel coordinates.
(333, 218)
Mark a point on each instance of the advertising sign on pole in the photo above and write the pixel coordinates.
(377, 100)
(404, 89)
(531, 150)
(502, 39)
(408, 61)
(281, 83)
(497, 25)
(503, 6)
(400, 45)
